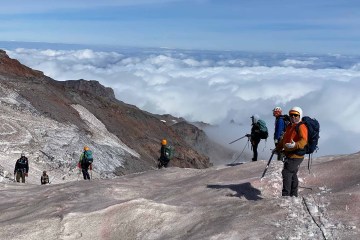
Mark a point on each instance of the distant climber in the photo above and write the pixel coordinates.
(44, 178)
(281, 122)
(85, 162)
(21, 168)
(165, 154)
(258, 131)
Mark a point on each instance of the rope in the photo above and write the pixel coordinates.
(247, 143)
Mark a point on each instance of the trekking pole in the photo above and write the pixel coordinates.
(246, 135)
(268, 164)
(91, 171)
(309, 162)
(51, 180)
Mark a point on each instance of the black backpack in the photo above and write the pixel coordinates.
(286, 119)
(313, 128)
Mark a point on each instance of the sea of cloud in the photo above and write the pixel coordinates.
(221, 87)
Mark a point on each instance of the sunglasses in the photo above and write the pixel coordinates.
(294, 115)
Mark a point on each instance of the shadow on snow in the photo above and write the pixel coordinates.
(242, 190)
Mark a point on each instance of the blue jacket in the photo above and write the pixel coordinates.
(280, 127)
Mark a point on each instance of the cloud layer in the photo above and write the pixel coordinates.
(218, 87)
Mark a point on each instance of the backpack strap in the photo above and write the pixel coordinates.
(310, 155)
(300, 152)
(297, 127)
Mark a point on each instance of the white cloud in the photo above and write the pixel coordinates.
(298, 63)
(213, 88)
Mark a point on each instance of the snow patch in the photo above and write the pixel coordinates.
(99, 132)
(11, 97)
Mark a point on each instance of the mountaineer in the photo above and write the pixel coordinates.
(258, 131)
(85, 162)
(165, 154)
(292, 145)
(281, 122)
(44, 178)
(21, 168)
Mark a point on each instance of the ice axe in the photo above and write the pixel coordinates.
(268, 164)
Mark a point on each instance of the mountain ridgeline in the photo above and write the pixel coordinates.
(52, 120)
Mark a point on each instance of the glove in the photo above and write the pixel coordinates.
(248, 135)
(79, 165)
(26, 174)
(90, 166)
(274, 151)
(290, 145)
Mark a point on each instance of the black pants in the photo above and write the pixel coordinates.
(290, 179)
(280, 156)
(163, 162)
(255, 144)
(85, 170)
(85, 173)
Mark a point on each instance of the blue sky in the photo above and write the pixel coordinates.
(321, 26)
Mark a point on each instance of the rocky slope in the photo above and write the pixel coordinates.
(52, 120)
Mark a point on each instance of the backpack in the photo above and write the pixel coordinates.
(21, 164)
(169, 152)
(286, 119)
(88, 158)
(313, 128)
(23, 161)
(263, 129)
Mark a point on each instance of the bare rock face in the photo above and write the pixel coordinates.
(197, 138)
(59, 117)
(92, 87)
(12, 67)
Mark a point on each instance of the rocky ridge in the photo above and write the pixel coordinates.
(57, 118)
